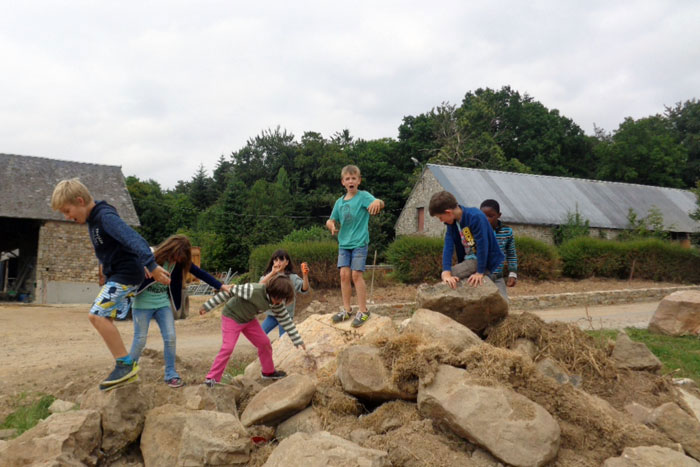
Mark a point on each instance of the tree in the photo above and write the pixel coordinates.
(201, 189)
(154, 213)
(685, 121)
(643, 151)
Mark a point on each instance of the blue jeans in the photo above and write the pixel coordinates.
(166, 323)
(354, 259)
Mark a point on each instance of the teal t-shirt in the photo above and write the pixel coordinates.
(155, 296)
(354, 219)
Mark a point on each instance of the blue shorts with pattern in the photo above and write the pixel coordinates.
(114, 300)
(354, 259)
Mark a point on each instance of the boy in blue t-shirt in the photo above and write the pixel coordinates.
(352, 211)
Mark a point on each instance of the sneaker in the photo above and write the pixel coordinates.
(360, 319)
(210, 382)
(342, 316)
(278, 374)
(175, 383)
(122, 371)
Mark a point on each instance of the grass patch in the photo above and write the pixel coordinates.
(234, 368)
(679, 355)
(28, 415)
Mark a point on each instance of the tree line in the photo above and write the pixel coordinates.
(278, 183)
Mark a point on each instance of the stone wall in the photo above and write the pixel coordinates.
(407, 223)
(65, 258)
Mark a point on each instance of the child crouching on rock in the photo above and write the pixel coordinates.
(239, 316)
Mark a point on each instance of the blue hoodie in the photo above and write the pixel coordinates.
(120, 250)
(477, 231)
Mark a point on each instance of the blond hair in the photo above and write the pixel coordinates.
(67, 192)
(350, 169)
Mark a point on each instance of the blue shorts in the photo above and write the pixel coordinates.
(354, 259)
(114, 300)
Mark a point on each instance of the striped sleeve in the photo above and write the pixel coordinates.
(511, 254)
(244, 291)
(283, 318)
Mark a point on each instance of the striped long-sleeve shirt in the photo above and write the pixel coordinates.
(245, 301)
(506, 241)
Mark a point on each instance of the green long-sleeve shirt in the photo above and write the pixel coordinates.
(247, 300)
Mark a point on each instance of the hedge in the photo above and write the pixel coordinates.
(651, 259)
(322, 258)
(416, 258)
(537, 259)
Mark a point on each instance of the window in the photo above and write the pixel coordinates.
(421, 218)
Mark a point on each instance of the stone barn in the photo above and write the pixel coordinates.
(44, 258)
(533, 204)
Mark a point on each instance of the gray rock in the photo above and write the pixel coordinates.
(650, 456)
(525, 347)
(218, 399)
(475, 307)
(437, 327)
(552, 369)
(678, 314)
(513, 428)
(362, 373)
(634, 355)
(123, 412)
(484, 459)
(679, 426)
(306, 421)
(174, 435)
(638, 412)
(324, 449)
(692, 401)
(279, 400)
(70, 438)
(59, 406)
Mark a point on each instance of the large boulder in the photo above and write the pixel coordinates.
(362, 373)
(679, 426)
(437, 327)
(323, 340)
(651, 456)
(678, 314)
(692, 401)
(513, 428)
(634, 355)
(174, 435)
(123, 412)
(475, 307)
(324, 449)
(279, 400)
(69, 438)
(306, 421)
(219, 399)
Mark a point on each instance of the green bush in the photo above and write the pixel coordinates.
(322, 258)
(415, 258)
(537, 259)
(314, 233)
(652, 259)
(575, 226)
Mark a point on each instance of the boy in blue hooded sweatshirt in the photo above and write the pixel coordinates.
(469, 234)
(123, 254)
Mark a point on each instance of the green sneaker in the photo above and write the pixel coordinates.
(360, 319)
(122, 372)
(342, 316)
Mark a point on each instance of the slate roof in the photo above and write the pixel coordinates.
(546, 200)
(26, 185)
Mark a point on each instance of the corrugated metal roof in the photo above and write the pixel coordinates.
(541, 199)
(26, 185)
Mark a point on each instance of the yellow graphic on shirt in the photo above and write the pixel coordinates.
(468, 241)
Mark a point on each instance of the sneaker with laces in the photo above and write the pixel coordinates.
(175, 382)
(277, 374)
(342, 316)
(122, 372)
(360, 319)
(210, 382)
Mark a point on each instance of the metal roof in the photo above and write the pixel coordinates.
(27, 183)
(542, 199)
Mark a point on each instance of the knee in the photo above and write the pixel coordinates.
(345, 274)
(357, 277)
(169, 341)
(265, 347)
(94, 319)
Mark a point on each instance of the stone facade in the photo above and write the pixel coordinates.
(65, 256)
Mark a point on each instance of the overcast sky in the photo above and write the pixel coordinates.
(159, 87)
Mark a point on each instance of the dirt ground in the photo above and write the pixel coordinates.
(54, 349)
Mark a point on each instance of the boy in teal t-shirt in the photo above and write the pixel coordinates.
(352, 212)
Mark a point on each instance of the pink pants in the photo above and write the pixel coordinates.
(230, 330)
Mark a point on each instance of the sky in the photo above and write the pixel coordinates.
(160, 87)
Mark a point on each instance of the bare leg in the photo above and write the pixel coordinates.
(361, 290)
(109, 332)
(345, 287)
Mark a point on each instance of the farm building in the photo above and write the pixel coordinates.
(43, 257)
(533, 204)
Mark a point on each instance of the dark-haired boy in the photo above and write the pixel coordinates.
(469, 234)
(506, 241)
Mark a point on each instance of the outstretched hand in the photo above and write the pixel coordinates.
(375, 206)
